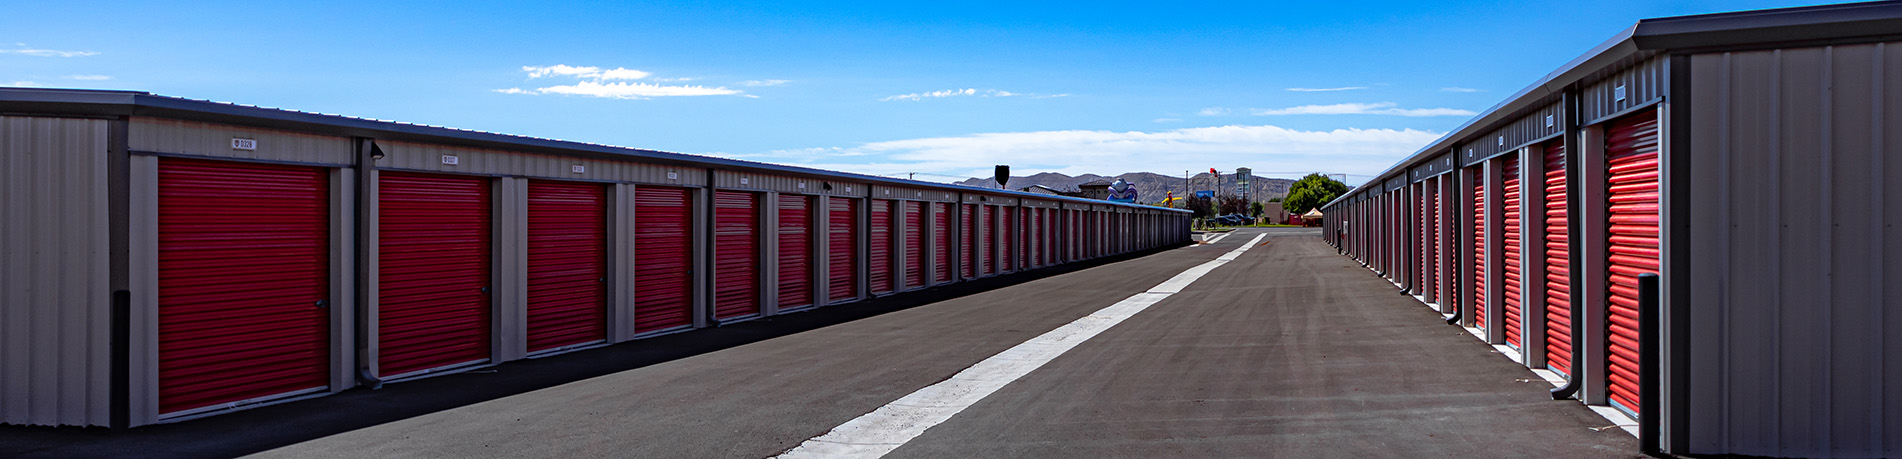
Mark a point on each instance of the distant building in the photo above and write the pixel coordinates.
(1095, 189)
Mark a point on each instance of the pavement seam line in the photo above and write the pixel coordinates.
(885, 429)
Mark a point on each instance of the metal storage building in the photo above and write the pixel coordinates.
(1742, 157)
(164, 258)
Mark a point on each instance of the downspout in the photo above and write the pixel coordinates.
(367, 153)
(1649, 332)
(1573, 244)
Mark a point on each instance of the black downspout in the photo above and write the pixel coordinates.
(1649, 331)
(367, 152)
(1574, 244)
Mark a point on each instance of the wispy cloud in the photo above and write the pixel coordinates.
(966, 92)
(1458, 89)
(613, 83)
(1380, 108)
(30, 51)
(90, 77)
(1167, 120)
(1168, 151)
(762, 83)
(1212, 111)
(1346, 88)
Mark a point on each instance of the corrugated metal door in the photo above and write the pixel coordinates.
(736, 254)
(795, 251)
(987, 240)
(842, 243)
(967, 263)
(244, 278)
(663, 259)
(914, 244)
(1514, 307)
(881, 250)
(1558, 263)
(1007, 239)
(1631, 169)
(434, 237)
(1420, 239)
(567, 263)
(1479, 249)
(1036, 237)
(941, 242)
(1431, 237)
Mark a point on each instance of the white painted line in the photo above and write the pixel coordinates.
(888, 427)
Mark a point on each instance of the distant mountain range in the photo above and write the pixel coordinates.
(1150, 187)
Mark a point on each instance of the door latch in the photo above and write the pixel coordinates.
(323, 304)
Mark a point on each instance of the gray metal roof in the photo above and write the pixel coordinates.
(1809, 25)
(110, 103)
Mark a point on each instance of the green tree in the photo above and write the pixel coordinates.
(1255, 210)
(1311, 192)
(1203, 207)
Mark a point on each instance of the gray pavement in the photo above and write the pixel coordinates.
(1288, 351)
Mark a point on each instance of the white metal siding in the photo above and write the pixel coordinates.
(55, 315)
(159, 135)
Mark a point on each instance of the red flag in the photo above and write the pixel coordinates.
(1212, 171)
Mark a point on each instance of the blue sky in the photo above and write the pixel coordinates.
(873, 87)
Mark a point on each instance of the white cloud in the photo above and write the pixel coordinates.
(621, 90)
(24, 49)
(1346, 88)
(966, 92)
(762, 83)
(90, 77)
(24, 84)
(671, 80)
(1166, 152)
(597, 82)
(1458, 89)
(1212, 111)
(1381, 108)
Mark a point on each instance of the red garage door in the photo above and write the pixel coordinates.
(1558, 263)
(881, 256)
(1514, 307)
(1631, 169)
(967, 263)
(843, 244)
(567, 263)
(1479, 249)
(434, 272)
(1007, 239)
(1038, 233)
(795, 251)
(244, 281)
(1430, 238)
(987, 240)
(1419, 278)
(941, 242)
(663, 259)
(736, 254)
(914, 244)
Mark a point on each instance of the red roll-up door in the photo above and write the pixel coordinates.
(434, 271)
(987, 240)
(1419, 239)
(1479, 249)
(1558, 263)
(941, 242)
(1631, 169)
(967, 263)
(881, 250)
(843, 243)
(567, 263)
(1007, 240)
(1515, 312)
(736, 254)
(244, 281)
(914, 244)
(795, 251)
(1042, 220)
(1431, 238)
(663, 259)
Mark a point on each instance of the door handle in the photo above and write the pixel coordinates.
(323, 304)
(485, 290)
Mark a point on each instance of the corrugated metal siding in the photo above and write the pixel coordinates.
(54, 272)
(916, 194)
(1558, 262)
(1530, 127)
(1793, 242)
(785, 184)
(160, 135)
(1642, 84)
(429, 157)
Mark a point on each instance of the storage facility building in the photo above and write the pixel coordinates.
(163, 258)
(1743, 158)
